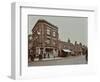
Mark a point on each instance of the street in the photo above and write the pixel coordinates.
(71, 60)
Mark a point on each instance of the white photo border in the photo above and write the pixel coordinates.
(21, 70)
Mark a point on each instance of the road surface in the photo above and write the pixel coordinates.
(72, 60)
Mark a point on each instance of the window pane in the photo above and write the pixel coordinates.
(54, 34)
(48, 41)
(48, 31)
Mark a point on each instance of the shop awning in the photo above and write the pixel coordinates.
(66, 50)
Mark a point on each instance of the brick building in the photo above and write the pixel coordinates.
(45, 39)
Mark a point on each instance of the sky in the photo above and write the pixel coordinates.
(74, 28)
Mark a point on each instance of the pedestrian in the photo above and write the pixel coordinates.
(48, 55)
(32, 58)
(86, 56)
(44, 55)
(40, 56)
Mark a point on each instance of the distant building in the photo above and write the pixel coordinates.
(65, 47)
(70, 48)
(30, 46)
(45, 39)
(30, 42)
(77, 48)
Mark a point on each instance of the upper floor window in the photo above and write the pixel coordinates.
(48, 31)
(48, 41)
(64, 46)
(38, 32)
(54, 33)
(30, 37)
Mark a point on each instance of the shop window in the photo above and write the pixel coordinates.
(54, 33)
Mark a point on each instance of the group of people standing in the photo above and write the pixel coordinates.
(41, 56)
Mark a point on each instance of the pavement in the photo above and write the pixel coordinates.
(71, 60)
(47, 59)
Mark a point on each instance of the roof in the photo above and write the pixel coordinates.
(44, 21)
(65, 43)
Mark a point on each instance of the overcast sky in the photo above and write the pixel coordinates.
(74, 28)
